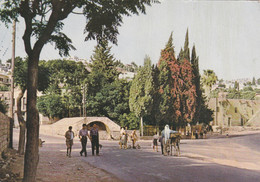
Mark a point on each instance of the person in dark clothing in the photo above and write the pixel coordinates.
(94, 139)
(83, 134)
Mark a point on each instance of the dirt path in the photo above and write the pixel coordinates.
(55, 166)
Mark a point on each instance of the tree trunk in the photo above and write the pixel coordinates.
(32, 122)
(21, 123)
(142, 127)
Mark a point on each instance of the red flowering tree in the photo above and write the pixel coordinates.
(169, 82)
(187, 93)
(176, 89)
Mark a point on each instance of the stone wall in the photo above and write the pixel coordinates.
(4, 132)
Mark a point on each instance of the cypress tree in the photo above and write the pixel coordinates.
(196, 82)
(168, 85)
(186, 51)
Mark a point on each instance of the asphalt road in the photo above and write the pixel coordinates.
(224, 159)
(232, 159)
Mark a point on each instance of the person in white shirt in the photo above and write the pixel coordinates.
(69, 135)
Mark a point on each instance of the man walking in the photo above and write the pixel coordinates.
(94, 139)
(69, 135)
(83, 134)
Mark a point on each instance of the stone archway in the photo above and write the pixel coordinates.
(104, 131)
(108, 128)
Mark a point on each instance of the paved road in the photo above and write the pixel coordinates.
(225, 159)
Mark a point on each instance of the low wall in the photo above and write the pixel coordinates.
(4, 132)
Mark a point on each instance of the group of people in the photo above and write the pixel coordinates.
(93, 136)
(84, 134)
(124, 138)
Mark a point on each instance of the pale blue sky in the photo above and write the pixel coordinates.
(226, 35)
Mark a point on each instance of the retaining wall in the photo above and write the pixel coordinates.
(4, 132)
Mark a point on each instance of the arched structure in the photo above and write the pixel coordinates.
(108, 129)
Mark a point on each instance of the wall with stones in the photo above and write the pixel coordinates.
(4, 132)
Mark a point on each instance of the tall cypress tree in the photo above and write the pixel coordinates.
(186, 51)
(202, 114)
(168, 85)
(196, 82)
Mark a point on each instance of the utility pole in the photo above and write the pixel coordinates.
(83, 101)
(12, 86)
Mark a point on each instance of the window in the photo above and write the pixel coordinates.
(252, 112)
(235, 109)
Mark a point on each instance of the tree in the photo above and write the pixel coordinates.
(187, 93)
(103, 63)
(236, 86)
(169, 85)
(111, 101)
(3, 107)
(209, 78)
(258, 81)
(51, 106)
(67, 79)
(141, 91)
(43, 21)
(186, 51)
(253, 81)
(196, 82)
(20, 80)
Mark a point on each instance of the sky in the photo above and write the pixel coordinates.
(226, 35)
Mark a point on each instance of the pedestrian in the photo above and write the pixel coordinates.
(83, 134)
(134, 138)
(69, 135)
(166, 134)
(94, 139)
(122, 137)
(155, 142)
(196, 134)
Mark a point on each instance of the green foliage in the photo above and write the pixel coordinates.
(4, 88)
(3, 107)
(51, 106)
(209, 78)
(258, 81)
(246, 93)
(140, 100)
(129, 120)
(66, 78)
(20, 74)
(186, 51)
(236, 85)
(111, 101)
(233, 94)
(103, 63)
(253, 81)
